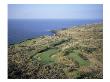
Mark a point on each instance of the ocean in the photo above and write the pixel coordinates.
(22, 29)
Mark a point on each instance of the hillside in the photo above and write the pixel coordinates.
(71, 53)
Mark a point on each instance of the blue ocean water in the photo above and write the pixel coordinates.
(22, 29)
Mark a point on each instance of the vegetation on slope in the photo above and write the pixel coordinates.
(69, 54)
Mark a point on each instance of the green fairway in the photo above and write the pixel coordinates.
(45, 57)
(76, 56)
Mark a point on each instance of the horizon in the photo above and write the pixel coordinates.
(55, 19)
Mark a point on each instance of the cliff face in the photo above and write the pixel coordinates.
(70, 53)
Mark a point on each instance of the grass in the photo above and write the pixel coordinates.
(76, 56)
(45, 57)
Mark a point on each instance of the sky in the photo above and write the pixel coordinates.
(55, 11)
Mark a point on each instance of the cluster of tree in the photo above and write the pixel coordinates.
(35, 70)
(94, 74)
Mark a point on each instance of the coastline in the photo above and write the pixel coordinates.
(54, 32)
